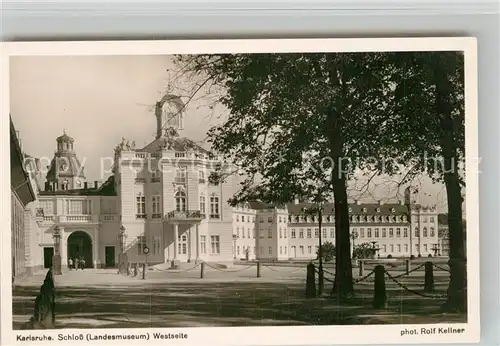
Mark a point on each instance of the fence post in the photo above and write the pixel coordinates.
(361, 268)
(379, 293)
(429, 278)
(258, 269)
(311, 281)
(408, 266)
(202, 270)
(144, 271)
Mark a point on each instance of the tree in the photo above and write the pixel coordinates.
(327, 251)
(299, 122)
(363, 251)
(429, 129)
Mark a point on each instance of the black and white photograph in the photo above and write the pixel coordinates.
(170, 190)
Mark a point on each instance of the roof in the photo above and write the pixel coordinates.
(19, 178)
(64, 138)
(75, 168)
(328, 208)
(106, 189)
(177, 144)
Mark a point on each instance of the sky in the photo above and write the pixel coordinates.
(98, 100)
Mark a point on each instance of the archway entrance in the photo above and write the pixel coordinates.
(80, 245)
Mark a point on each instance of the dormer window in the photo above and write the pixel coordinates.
(365, 210)
(378, 210)
(350, 210)
(393, 210)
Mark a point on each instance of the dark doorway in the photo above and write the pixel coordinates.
(48, 253)
(80, 245)
(109, 254)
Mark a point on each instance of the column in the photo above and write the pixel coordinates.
(197, 235)
(63, 248)
(176, 240)
(190, 243)
(96, 248)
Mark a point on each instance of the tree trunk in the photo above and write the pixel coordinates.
(457, 288)
(457, 293)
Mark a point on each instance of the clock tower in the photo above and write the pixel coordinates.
(65, 171)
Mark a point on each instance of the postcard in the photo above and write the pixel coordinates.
(240, 192)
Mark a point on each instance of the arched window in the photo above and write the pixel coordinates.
(180, 201)
(65, 185)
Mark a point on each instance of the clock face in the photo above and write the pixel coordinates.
(64, 167)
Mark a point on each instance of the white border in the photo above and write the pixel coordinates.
(355, 334)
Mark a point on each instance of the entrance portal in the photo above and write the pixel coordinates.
(80, 245)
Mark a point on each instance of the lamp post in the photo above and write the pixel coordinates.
(123, 257)
(56, 259)
(354, 236)
(318, 210)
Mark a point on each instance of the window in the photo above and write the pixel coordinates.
(279, 219)
(242, 232)
(237, 218)
(323, 232)
(261, 219)
(270, 250)
(425, 247)
(385, 247)
(301, 248)
(269, 233)
(214, 207)
(180, 201)
(141, 206)
(215, 239)
(237, 250)
(201, 176)
(398, 232)
(332, 232)
(417, 234)
(432, 232)
(425, 219)
(391, 232)
(369, 233)
(392, 247)
(293, 233)
(182, 244)
(156, 245)
(309, 233)
(378, 210)
(405, 232)
(47, 206)
(417, 248)
(406, 247)
(364, 210)
(285, 231)
(309, 249)
(237, 232)
(203, 244)
(261, 250)
(399, 247)
(141, 244)
(431, 219)
(79, 207)
(281, 233)
(284, 247)
(384, 233)
(377, 234)
(301, 233)
(316, 233)
(180, 176)
(361, 232)
(270, 219)
(202, 204)
(261, 233)
(424, 231)
(156, 206)
(281, 250)
(155, 178)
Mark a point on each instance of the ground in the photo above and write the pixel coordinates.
(224, 297)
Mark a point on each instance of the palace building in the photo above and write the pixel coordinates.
(159, 198)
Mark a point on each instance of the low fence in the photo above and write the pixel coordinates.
(380, 273)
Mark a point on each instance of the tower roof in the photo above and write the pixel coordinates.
(65, 138)
(176, 143)
(65, 166)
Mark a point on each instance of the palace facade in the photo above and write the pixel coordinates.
(159, 206)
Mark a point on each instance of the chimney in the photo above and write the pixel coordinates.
(85, 185)
(96, 184)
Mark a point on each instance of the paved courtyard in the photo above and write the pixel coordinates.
(224, 297)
